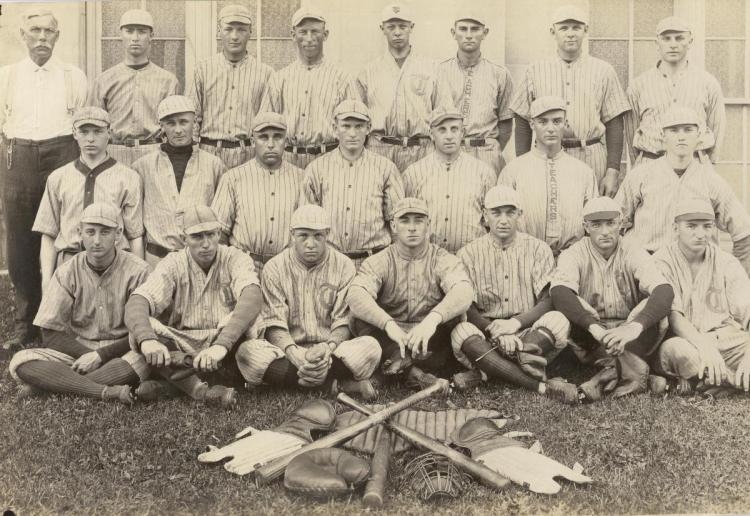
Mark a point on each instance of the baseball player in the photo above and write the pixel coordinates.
(213, 296)
(401, 89)
(553, 185)
(305, 317)
(37, 98)
(357, 187)
(650, 191)
(409, 297)
(512, 330)
(452, 182)
(481, 90)
(176, 174)
(255, 201)
(132, 90)
(674, 80)
(85, 342)
(93, 177)
(307, 91)
(227, 90)
(710, 312)
(614, 298)
(594, 99)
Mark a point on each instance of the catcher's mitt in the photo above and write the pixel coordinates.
(326, 472)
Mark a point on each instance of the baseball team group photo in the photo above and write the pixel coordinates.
(332, 257)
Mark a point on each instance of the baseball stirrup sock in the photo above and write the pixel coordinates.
(59, 378)
(339, 370)
(192, 385)
(114, 372)
(495, 365)
(281, 372)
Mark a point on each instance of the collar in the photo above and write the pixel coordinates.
(443, 163)
(304, 66)
(409, 258)
(101, 167)
(497, 245)
(664, 164)
(197, 269)
(577, 60)
(106, 272)
(302, 265)
(52, 64)
(236, 63)
(465, 66)
(346, 160)
(661, 72)
(598, 256)
(542, 155)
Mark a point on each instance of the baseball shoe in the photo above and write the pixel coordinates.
(26, 391)
(121, 393)
(363, 389)
(594, 388)
(396, 365)
(562, 391)
(657, 385)
(152, 390)
(416, 378)
(220, 395)
(21, 338)
(466, 380)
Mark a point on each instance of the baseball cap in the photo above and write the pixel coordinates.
(410, 205)
(199, 218)
(91, 115)
(235, 13)
(601, 208)
(569, 12)
(680, 115)
(672, 23)
(102, 213)
(547, 103)
(472, 15)
(694, 208)
(306, 12)
(175, 104)
(396, 12)
(136, 17)
(439, 115)
(268, 119)
(352, 109)
(310, 216)
(501, 195)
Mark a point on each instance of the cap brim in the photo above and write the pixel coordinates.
(406, 211)
(308, 17)
(352, 114)
(442, 119)
(585, 22)
(480, 22)
(203, 226)
(695, 216)
(260, 127)
(88, 121)
(234, 18)
(396, 18)
(165, 115)
(681, 122)
(502, 203)
(602, 215)
(534, 115)
(319, 226)
(102, 221)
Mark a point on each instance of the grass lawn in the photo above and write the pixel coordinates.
(646, 455)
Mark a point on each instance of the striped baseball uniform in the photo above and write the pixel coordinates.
(553, 192)
(714, 300)
(161, 198)
(131, 97)
(74, 186)
(199, 303)
(359, 196)
(256, 205)
(306, 96)
(593, 95)
(649, 191)
(482, 93)
(309, 303)
(454, 193)
(227, 97)
(400, 100)
(654, 92)
(90, 306)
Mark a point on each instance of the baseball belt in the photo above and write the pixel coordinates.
(311, 149)
(404, 141)
(262, 258)
(577, 144)
(356, 255)
(225, 144)
(475, 142)
(135, 143)
(157, 250)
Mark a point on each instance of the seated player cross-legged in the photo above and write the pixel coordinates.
(213, 296)
(512, 330)
(410, 296)
(711, 309)
(86, 350)
(305, 317)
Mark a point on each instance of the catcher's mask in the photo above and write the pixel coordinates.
(433, 477)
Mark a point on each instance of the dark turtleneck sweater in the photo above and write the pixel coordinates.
(179, 156)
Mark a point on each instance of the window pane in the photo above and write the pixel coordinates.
(111, 13)
(725, 18)
(615, 53)
(645, 56)
(170, 55)
(111, 53)
(731, 148)
(277, 17)
(726, 60)
(169, 18)
(647, 13)
(277, 53)
(609, 19)
(733, 175)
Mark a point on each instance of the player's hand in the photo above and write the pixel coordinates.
(419, 336)
(209, 359)
(87, 362)
(610, 183)
(617, 338)
(712, 369)
(317, 364)
(500, 327)
(295, 355)
(397, 335)
(509, 344)
(742, 376)
(597, 331)
(155, 353)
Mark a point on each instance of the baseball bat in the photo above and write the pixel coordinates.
(375, 488)
(275, 469)
(476, 469)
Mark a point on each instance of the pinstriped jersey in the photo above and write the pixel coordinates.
(507, 281)
(88, 304)
(359, 196)
(401, 99)
(131, 97)
(454, 193)
(650, 191)
(716, 296)
(654, 92)
(162, 201)
(482, 93)
(306, 96)
(553, 192)
(612, 287)
(308, 302)
(588, 85)
(227, 96)
(198, 300)
(256, 205)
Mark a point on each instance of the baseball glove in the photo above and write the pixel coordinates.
(326, 472)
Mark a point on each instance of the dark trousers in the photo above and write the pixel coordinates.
(23, 186)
